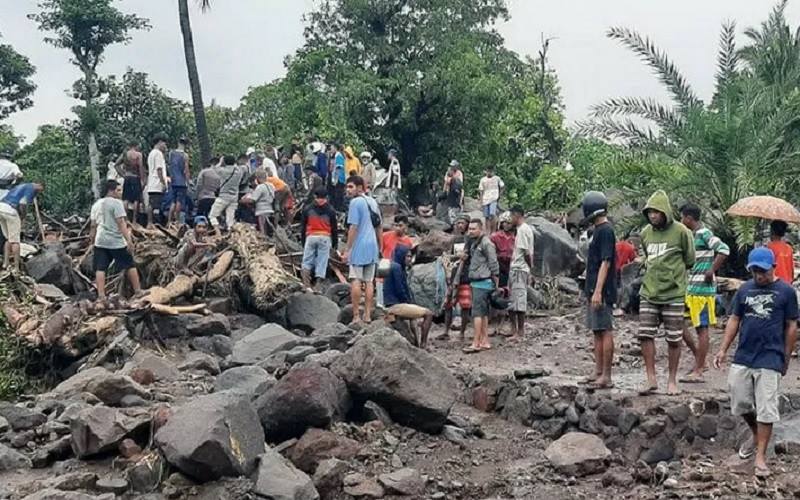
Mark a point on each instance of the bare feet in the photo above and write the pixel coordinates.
(693, 377)
(602, 383)
(672, 389)
(648, 390)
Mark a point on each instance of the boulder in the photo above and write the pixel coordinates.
(428, 285)
(53, 266)
(250, 380)
(407, 482)
(299, 353)
(428, 224)
(112, 388)
(339, 293)
(317, 445)
(11, 459)
(217, 345)
(201, 362)
(146, 472)
(415, 388)
(578, 454)
(309, 311)
(21, 418)
(434, 245)
(206, 326)
(307, 396)
(78, 383)
(629, 284)
(212, 436)
(328, 476)
(259, 344)
(278, 479)
(100, 429)
(556, 250)
(662, 449)
(360, 486)
(54, 494)
(163, 369)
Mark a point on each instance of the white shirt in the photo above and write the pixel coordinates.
(523, 246)
(490, 187)
(270, 167)
(9, 170)
(155, 161)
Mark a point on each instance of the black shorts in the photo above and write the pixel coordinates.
(103, 257)
(132, 189)
(204, 206)
(155, 200)
(179, 195)
(600, 320)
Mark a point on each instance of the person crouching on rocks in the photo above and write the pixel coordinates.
(764, 315)
(397, 296)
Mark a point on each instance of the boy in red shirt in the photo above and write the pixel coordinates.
(784, 253)
(397, 237)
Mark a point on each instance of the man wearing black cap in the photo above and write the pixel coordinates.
(764, 315)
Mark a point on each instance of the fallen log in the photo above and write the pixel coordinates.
(176, 310)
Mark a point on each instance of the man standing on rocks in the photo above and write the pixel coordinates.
(484, 272)
(764, 314)
(520, 274)
(490, 189)
(454, 188)
(701, 294)
(130, 165)
(601, 287)
(363, 239)
(12, 212)
(319, 235)
(156, 177)
(669, 252)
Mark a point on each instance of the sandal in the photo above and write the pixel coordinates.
(648, 391)
(600, 387)
(470, 350)
(691, 378)
(762, 472)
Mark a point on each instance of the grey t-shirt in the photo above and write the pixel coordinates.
(105, 213)
(230, 176)
(208, 182)
(523, 246)
(263, 196)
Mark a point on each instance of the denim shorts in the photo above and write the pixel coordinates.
(490, 210)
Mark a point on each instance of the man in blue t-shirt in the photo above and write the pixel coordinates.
(12, 212)
(764, 314)
(363, 246)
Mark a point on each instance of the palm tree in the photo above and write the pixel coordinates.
(194, 79)
(744, 141)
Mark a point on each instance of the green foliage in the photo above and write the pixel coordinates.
(555, 189)
(16, 86)
(53, 158)
(134, 108)
(745, 141)
(8, 141)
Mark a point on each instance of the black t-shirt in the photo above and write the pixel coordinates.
(454, 194)
(602, 247)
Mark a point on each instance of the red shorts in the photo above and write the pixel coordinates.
(464, 296)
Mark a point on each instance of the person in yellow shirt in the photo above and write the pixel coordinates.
(352, 165)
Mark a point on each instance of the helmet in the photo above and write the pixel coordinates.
(504, 217)
(594, 203)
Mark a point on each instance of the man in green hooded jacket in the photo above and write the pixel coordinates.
(669, 253)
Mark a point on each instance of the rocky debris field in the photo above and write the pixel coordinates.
(246, 409)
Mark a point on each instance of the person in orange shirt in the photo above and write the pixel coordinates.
(283, 199)
(397, 237)
(784, 253)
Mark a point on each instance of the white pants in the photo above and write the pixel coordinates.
(221, 205)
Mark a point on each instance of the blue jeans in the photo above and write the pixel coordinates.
(316, 253)
(490, 210)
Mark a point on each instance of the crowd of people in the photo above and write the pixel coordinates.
(493, 256)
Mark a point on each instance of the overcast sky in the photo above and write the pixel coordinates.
(241, 43)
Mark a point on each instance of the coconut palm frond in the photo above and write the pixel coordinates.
(728, 57)
(657, 59)
(617, 130)
(647, 108)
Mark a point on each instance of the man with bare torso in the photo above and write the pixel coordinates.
(130, 165)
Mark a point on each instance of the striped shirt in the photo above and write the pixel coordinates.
(707, 246)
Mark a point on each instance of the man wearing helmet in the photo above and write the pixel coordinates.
(601, 288)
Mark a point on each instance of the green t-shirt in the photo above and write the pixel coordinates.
(706, 248)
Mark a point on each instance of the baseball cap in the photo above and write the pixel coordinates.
(454, 163)
(760, 258)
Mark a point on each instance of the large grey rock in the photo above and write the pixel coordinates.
(111, 389)
(162, 368)
(259, 344)
(328, 476)
(629, 280)
(200, 362)
(433, 245)
(206, 326)
(407, 482)
(317, 445)
(250, 380)
(412, 385)
(100, 429)
(309, 311)
(307, 396)
(556, 250)
(11, 459)
(213, 436)
(578, 454)
(53, 266)
(218, 345)
(21, 418)
(427, 284)
(54, 494)
(78, 383)
(278, 479)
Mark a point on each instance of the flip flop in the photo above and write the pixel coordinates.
(587, 380)
(600, 387)
(691, 378)
(762, 473)
(489, 348)
(648, 391)
(672, 394)
(470, 350)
